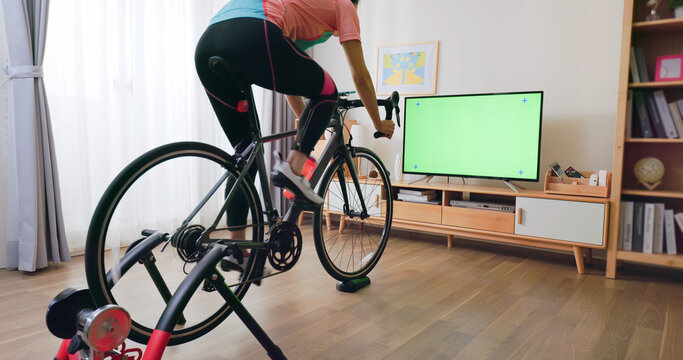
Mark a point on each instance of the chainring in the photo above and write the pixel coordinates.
(285, 246)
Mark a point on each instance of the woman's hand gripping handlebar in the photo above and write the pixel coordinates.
(390, 105)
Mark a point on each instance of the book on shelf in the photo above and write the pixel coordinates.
(424, 196)
(422, 201)
(670, 232)
(679, 220)
(677, 117)
(409, 197)
(641, 111)
(629, 115)
(648, 228)
(679, 105)
(665, 115)
(638, 222)
(641, 65)
(416, 191)
(626, 226)
(658, 241)
(655, 116)
(634, 66)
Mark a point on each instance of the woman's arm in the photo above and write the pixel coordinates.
(296, 103)
(363, 82)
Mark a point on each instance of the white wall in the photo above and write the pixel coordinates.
(3, 144)
(568, 49)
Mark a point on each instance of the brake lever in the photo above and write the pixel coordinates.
(394, 98)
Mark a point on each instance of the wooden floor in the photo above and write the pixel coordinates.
(474, 301)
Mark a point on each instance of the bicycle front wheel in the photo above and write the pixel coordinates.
(350, 242)
(177, 190)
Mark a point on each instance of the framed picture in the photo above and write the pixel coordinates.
(408, 69)
(669, 68)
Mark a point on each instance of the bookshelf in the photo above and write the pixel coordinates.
(657, 85)
(656, 38)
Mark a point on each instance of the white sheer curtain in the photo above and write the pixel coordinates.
(121, 80)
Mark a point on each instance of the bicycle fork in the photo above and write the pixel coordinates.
(363, 214)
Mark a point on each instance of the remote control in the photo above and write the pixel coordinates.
(571, 172)
(593, 180)
(556, 168)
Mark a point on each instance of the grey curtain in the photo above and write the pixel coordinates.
(35, 226)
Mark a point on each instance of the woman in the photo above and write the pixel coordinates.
(264, 41)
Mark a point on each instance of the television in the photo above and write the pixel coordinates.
(493, 136)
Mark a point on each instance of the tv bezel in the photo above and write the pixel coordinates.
(540, 128)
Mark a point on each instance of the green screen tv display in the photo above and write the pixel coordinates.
(495, 136)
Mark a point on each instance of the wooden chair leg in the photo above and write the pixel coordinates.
(578, 256)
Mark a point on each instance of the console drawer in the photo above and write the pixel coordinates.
(406, 210)
(479, 219)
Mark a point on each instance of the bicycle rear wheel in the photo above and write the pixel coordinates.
(349, 243)
(159, 191)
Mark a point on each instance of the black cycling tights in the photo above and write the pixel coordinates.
(262, 55)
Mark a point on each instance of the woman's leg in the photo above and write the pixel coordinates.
(258, 50)
(223, 98)
(268, 59)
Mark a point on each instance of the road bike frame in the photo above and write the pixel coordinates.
(252, 154)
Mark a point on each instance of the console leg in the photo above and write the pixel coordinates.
(449, 241)
(589, 255)
(342, 223)
(328, 221)
(578, 256)
(301, 219)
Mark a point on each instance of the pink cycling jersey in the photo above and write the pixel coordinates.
(308, 22)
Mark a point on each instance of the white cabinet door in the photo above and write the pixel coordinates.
(574, 221)
(372, 195)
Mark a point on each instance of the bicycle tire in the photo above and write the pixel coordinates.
(378, 195)
(111, 201)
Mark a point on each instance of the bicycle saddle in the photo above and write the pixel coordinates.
(227, 72)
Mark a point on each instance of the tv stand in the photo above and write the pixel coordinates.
(512, 186)
(425, 179)
(573, 224)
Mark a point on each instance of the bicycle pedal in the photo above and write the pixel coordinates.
(208, 286)
(227, 265)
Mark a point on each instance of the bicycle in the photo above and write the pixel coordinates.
(363, 210)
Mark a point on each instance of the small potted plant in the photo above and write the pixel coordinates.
(677, 7)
